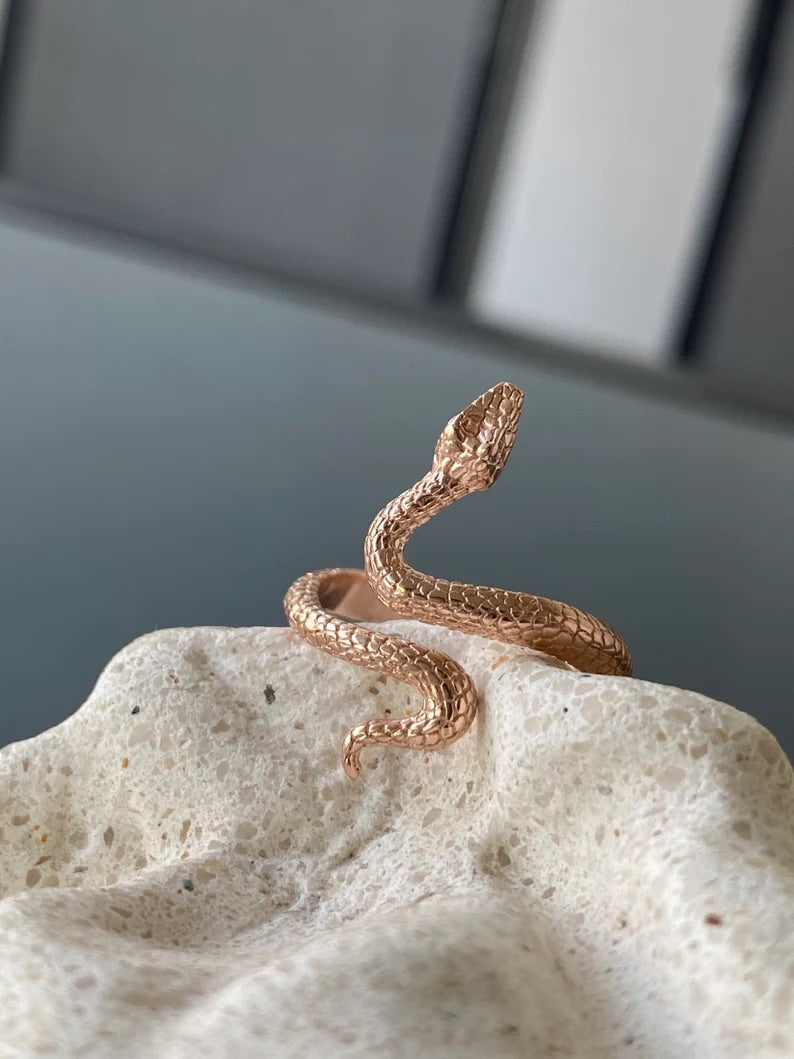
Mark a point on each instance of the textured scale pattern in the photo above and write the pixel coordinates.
(469, 456)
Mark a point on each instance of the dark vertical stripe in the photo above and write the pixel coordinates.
(441, 275)
(10, 56)
(754, 76)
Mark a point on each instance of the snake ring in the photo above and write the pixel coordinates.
(323, 606)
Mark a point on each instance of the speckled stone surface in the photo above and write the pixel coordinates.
(602, 867)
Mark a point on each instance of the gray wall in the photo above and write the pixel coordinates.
(175, 449)
(320, 137)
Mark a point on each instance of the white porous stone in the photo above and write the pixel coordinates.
(602, 867)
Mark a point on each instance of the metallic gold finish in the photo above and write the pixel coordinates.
(469, 456)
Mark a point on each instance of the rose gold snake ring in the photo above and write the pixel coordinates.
(323, 607)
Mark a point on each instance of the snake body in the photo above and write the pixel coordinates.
(469, 456)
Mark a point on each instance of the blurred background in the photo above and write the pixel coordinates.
(254, 255)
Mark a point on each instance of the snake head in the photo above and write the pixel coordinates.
(475, 444)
